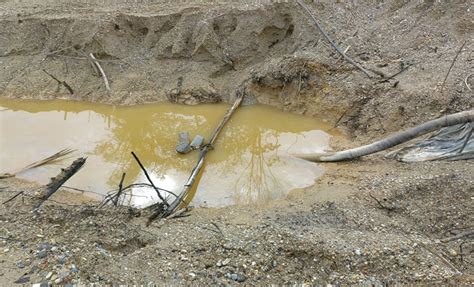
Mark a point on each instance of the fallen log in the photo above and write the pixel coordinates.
(60, 179)
(393, 140)
(180, 202)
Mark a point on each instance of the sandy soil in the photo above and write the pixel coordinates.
(371, 222)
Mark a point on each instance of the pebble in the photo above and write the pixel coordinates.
(48, 276)
(226, 261)
(236, 277)
(20, 264)
(41, 254)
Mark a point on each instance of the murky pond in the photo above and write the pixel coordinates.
(250, 162)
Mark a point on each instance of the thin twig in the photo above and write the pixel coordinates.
(66, 85)
(149, 179)
(13, 197)
(451, 67)
(325, 34)
(466, 83)
(120, 189)
(394, 75)
(458, 236)
(380, 203)
(106, 81)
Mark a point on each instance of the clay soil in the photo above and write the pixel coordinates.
(371, 221)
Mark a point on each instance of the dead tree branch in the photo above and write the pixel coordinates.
(458, 236)
(59, 180)
(66, 85)
(96, 63)
(325, 34)
(466, 82)
(149, 179)
(44, 161)
(452, 65)
(120, 189)
(180, 202)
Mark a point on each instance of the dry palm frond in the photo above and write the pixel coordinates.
(44, 161)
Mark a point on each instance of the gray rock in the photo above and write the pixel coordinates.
(22, 280)
(20, 264)
(226, 261)
(45, 246)
(62, 259)
(41, 254)
(236, 277)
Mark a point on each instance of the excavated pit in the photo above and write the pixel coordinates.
(389, 222)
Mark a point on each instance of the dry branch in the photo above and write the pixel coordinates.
(59, 180)
(451, 67)
(176, 205)
(96, 63)
(120, 189)
(466, 82)
(326, 35)
(44, 161)
(458, 236)
(393, 140)
(66, 85)
(395, 74)
(149, 179)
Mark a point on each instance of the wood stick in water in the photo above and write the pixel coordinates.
(176, 204)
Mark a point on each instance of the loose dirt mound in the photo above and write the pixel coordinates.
(385, 228)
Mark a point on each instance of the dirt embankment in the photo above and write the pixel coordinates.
(384, 227)
(203, 51)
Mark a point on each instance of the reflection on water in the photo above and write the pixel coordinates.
(250, 162)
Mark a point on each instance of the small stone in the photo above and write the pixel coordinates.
(236, 277)
(48, 276)
(45, 246)
(358, 252)
(62, 259)
(22, 280)
(20, 264)
(453, 252)
(219, 263)
(41, 254)
(226, 261)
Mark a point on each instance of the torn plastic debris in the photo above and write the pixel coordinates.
(450, 143)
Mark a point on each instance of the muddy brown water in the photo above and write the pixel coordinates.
(250, 162)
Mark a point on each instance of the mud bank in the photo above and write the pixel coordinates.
(203, 51)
